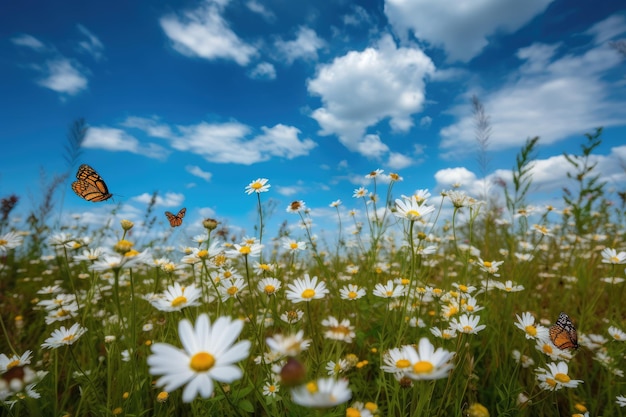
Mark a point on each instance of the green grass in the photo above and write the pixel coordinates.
(561, 271)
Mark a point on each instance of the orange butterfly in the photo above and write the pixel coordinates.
(176, 220)
(89, 185)
(563, 334)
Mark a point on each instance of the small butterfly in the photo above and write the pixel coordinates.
(89, 185)
(176, 220)
(563, 334)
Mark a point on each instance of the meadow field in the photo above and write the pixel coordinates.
(401, 312)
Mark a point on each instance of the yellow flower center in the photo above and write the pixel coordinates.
(264, 267)
(232, 290)
(3, 242)
(531, 330)
(412, 213)
(550, 382)
(547, 349)
(293, 245)
(245, 250)
(403, 363)
(269, 289)
(311, 387)
(487, 264)
(12, 364)
(162, 396)
(463, 288)
(562, 378)
(202, 362)
(131, 253)
(256, 185)
(352, 295)
(353, 412)
(467, 329)
(203, 253)
(423, 367)
(308, 293)
(68, 338)
(179, 301)
(271, 388)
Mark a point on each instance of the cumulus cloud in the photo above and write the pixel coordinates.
(399, 161)
(258, 8)
(116, 140)
(360, 89)
(550, 96)
(263, 71)
(168, 200)
(203, 32)
(63, 76)
(305, 46)
(461, 30)
(198, 172)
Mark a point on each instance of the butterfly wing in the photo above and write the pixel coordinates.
(563, 334)
(89, 185)
(176, 220)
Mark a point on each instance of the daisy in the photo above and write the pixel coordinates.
(467, 324)
(208, 355)
(176, 297)
(335, 368)
(555, 377)
(114, 262)
(358, 409)
(342, 331)
(426, 362)
(231, 288)
(443, 334)
(269, 286)
(525, 361)
(258, 186)
(508, 286)
(335, 203)
(7, 363)
(260, 268)
(323, 393)
(8, 241)
(351, 292)
(360, 192)
(306, 289)
(296, 206)
(617, 334)
(251, 251)
(64, 337)
(621, 400)
(408, 208)
(526, 323)
(490, 267)
(546, 347)
(292, 316)
(610, 256)
(293, 245)
(89, 255)
(290, 345)
(271, 387)
(389, 290)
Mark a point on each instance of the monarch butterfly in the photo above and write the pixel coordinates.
(176, 220)
(563, 334)
(89, 185)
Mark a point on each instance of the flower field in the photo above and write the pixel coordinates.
(403, 312)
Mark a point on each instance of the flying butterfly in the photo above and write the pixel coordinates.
(89, 185)
(563, 334)
(176, 220)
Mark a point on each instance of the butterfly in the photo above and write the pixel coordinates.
(89, 185)
(563, 334)
(176, 220)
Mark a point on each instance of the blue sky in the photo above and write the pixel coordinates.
(195, 99)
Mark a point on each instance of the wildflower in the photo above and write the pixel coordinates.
(176, 297)
(610, 256)
(351, 292)
(508, 286)
(335, 203)
(410, 209)
(296, 206)
(89, 255)
(162, 396)
(358, 409)
(64, 337)
(526, 361)
(260, 268)
(395, 177)
(543, 230)
(306, 289)
(114, 262)
(443, 334)
(290, 345)
(126, 224)
(426, 362)
(322, 393)
(526, 323)
(335, 368)
(292, 316)
(208, 355)
(617, 334)
(546, 347)
(491, 267)
(231, 288)
(210, 224)
(621, 400)
(8, 241)
(360, 192)
(271, 387)
(269, 285)
(467, 324)
(293, 245)
(477, 410)
(342, 331)
(17, 378)
(258, 186)
(389, 290)
(396, 361)
(251, 250)
(555, 377)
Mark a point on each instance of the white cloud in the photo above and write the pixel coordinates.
(448, 177)
(608, 28)
(112, 139)
(198, 172)
(460, 28)
(168, 200)
(288, 190)
(305, 46)
(92, 45)
(399, 161)
(28, 41)
(549, 97)
(203, 32)
(358, 17)
(152, 127)
(360, 89)
(62, 76)
(258, 8)
(263, 71)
